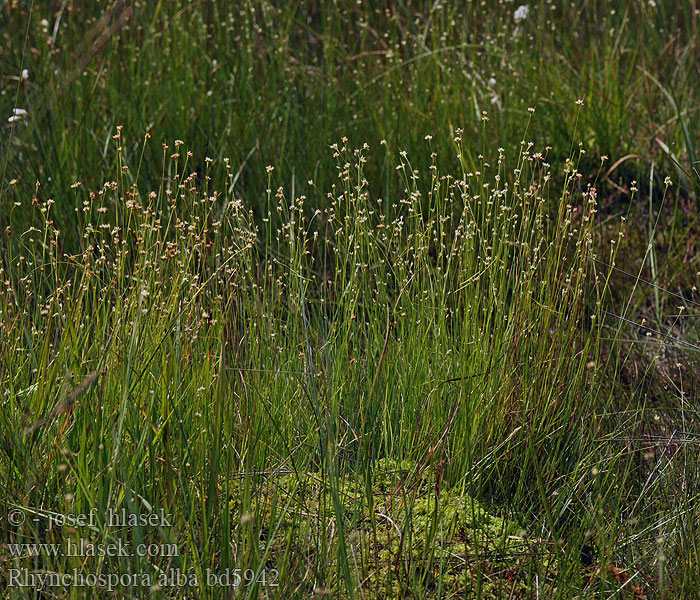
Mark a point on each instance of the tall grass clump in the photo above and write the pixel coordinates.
(340, 393)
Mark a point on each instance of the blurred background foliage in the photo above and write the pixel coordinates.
(277, 82)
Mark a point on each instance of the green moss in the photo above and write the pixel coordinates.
(406, 538)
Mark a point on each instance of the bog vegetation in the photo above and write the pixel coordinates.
(364, 301)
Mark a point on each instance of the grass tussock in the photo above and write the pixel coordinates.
(211, 361)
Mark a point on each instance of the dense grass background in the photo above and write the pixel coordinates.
(411, 311)
(263, 84)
